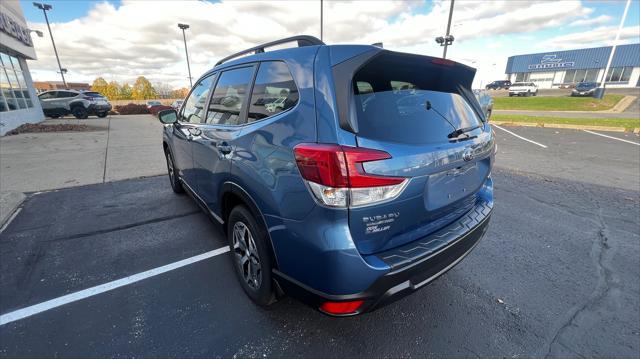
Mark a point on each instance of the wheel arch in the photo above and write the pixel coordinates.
(233, 195)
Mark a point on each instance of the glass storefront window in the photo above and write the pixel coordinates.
(14, 94)
(568, 76)
(626, 74)
(591, 76)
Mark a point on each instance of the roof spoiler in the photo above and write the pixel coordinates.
(302, 40)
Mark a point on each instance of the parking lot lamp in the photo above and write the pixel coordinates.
(44, 8)
(184, 37)
(448, 38)
(599, 93)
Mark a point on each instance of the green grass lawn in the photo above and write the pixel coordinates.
(626, 123)
(556, 103)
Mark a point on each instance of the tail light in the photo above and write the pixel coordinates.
(341, 308)
(337, 178)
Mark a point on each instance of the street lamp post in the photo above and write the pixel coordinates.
(448, 38)
(599, 93)
(44, 8)
(184, 37)
(321, 18)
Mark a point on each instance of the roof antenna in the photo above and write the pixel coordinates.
(378, 44)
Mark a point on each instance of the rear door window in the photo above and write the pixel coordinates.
(274, 91)
(47, 95)
(225, 107)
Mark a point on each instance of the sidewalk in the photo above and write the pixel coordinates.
(122, 147)
(569, 114)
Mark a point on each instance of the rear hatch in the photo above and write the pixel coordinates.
(422, 112)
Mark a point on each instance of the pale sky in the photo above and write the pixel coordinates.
(120, 40)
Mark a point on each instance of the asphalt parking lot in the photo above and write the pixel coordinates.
(556, 275)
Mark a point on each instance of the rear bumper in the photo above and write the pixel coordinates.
(99, 108)
(412, 266)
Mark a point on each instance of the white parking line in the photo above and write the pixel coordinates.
(613, 138)
(520, 137)
(89, 292)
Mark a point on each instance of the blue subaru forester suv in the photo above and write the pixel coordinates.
(346, 176)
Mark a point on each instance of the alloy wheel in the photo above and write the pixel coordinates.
(170, 167)
(246, 255)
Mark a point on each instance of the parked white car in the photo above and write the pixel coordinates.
(523, 89)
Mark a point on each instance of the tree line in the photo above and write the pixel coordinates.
(142, 89)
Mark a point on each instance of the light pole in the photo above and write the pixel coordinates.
(448, 38)
(184, 37)
(44, 8)
(599, 93)
(321, 18)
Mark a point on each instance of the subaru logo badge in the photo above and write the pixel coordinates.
(467, 155)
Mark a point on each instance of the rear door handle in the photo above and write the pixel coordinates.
(224, 148)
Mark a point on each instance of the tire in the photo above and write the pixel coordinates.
(54, 116)
(80, 112)
(102, 114)
(248, 243)
(176, 185)
(510, 95)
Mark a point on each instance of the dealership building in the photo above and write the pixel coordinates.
(560, 69)
(18, 101)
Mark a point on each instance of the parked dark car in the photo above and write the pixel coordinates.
(498, 85)
(346, 176)
(80, 104)
(584, 89)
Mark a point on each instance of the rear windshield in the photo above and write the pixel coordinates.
(414, 106)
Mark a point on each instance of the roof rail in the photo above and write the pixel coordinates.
(303, 40)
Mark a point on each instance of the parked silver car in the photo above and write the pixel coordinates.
(80, 104)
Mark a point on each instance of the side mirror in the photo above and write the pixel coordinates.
(168, 116)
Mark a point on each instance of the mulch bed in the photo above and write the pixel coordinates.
(36, 127)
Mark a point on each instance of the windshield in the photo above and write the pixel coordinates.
(401, 114)
(586, 85)
(413, 100)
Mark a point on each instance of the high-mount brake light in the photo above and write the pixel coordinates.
(337, 178)
(444, 62)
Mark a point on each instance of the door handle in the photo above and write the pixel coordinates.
(224, 148)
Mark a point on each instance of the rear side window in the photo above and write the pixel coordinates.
(225, 107)
(274, 91)
(93, 94)
(66, 94)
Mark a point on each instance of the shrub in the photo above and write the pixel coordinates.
(132, 109)
(155, 109)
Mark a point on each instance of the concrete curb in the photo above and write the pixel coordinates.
(558, 125)
(10, 201)
(621, 105)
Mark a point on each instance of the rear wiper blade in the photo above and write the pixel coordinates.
(460, 131)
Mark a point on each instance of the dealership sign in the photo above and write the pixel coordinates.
(551, 62)
(15, 29)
